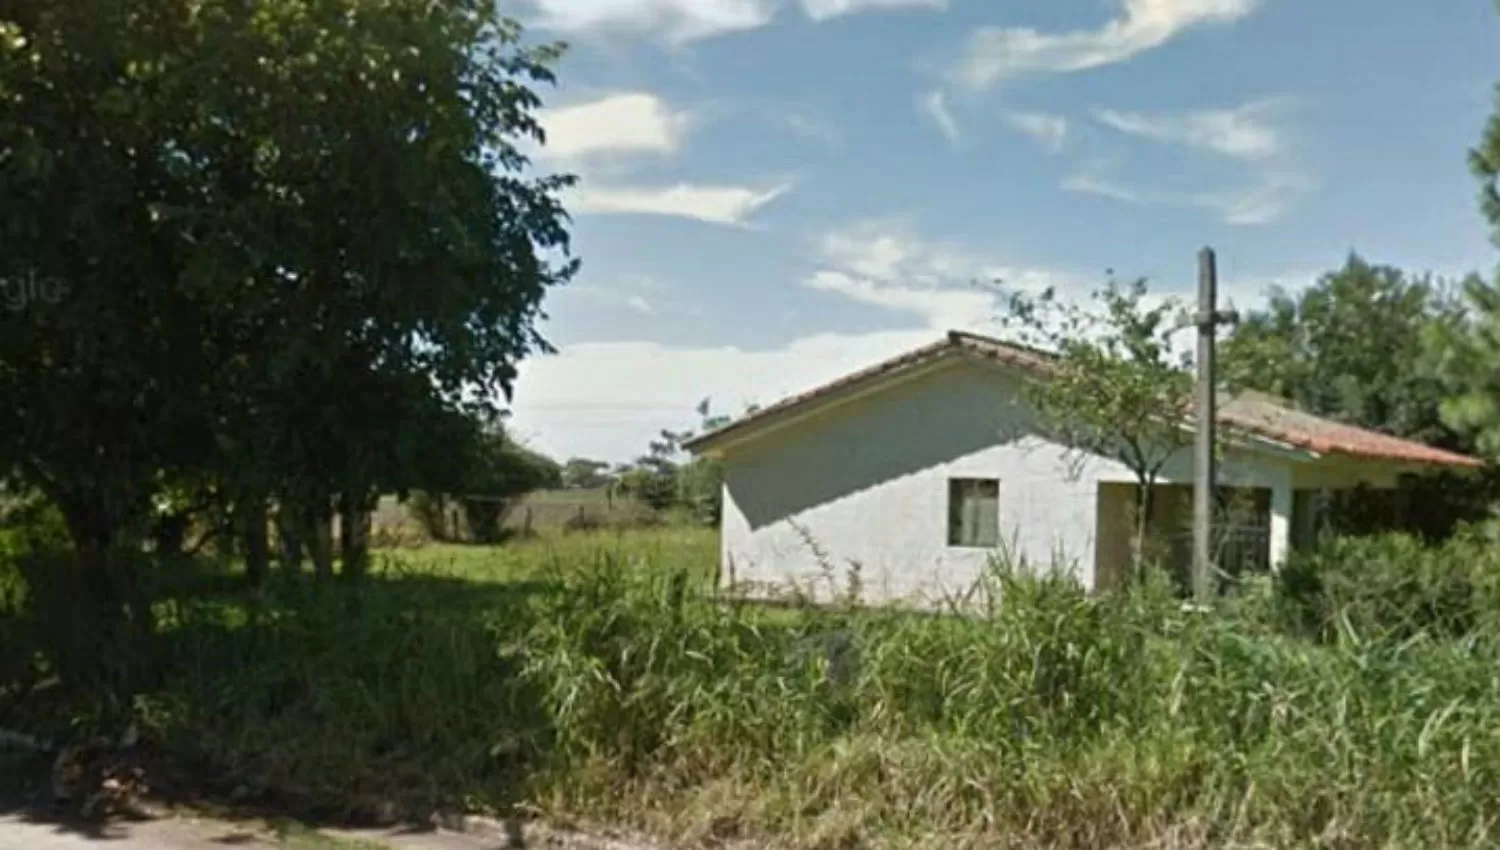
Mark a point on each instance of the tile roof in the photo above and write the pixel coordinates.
(1266, 416)
(1252, 413)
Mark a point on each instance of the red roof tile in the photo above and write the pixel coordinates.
(1251, 413)
(1269, 417)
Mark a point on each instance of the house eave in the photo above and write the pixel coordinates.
(717, 444)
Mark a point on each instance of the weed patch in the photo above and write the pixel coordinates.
(595, 676)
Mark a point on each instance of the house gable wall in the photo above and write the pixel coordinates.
(866, 483)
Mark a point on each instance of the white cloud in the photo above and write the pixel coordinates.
(941, 308)
(884, 264)
(889, 250)
(616, 131)
(1050, 131)
(812, 127)
(1240, 133)
(935, 104)
(1087, 184)
(626, 123)
(590, 400)
(1263, 201)
(1244, 133)
(676, 20)
(996, 54)
(732, 205)
(681, 21)
(820, 10)
(612, 297)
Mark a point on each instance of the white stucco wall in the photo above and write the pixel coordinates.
(868, 483)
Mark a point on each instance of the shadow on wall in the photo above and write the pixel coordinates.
(905, 430)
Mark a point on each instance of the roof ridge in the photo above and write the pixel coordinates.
(1270, 421)
(959, 337)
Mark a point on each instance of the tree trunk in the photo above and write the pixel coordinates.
(93, 604)
(257, 543)
(318, 536)
(169, 534)
(289, 535)
(1143, 504)
(354, 533)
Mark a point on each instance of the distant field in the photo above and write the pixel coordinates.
(542, 511)
(554, 508)
(695, 550)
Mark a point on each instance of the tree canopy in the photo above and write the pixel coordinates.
(281, 240)
(1365, 344)
(1470, 353)
(1352, 346)
(1115, 387)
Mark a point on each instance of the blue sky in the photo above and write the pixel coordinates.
(776, 192)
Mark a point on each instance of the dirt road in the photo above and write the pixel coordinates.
(17, 833)
(20, 832)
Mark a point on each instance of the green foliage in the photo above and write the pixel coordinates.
(497, 472)
(505, 472)
(1467, 355)
(584, 474)
(1393, 588)
(663, 481)
(1114, 388)
(1367, 344)
(654, 487)
(590, 676)
(29, 523)
(701, 490)
(294, 294)
(432, 512)
(1470, 351)
(1351, 346)
(1484, 161)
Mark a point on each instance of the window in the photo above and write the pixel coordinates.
(974, 513)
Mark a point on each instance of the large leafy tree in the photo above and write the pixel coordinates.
(1351, 346)
(1470, 354)
(1356, 346)
(505, 471)
(581, 473)
(266, 231)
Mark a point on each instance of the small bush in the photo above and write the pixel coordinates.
(582, 520)
(1393, 588)
(434, 514)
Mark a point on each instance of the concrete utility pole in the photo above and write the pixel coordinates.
(1205, 476)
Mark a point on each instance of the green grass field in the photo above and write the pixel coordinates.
(689, 549)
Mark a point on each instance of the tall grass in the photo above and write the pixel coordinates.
(1057, 720)
(589, 679)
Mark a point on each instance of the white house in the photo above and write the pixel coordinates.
(920, 468)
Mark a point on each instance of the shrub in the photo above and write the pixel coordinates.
(656, 489)
(30, 522)
(433, 513)
(582, 520)
(1393, 587)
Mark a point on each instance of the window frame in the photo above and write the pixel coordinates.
(959, 491)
